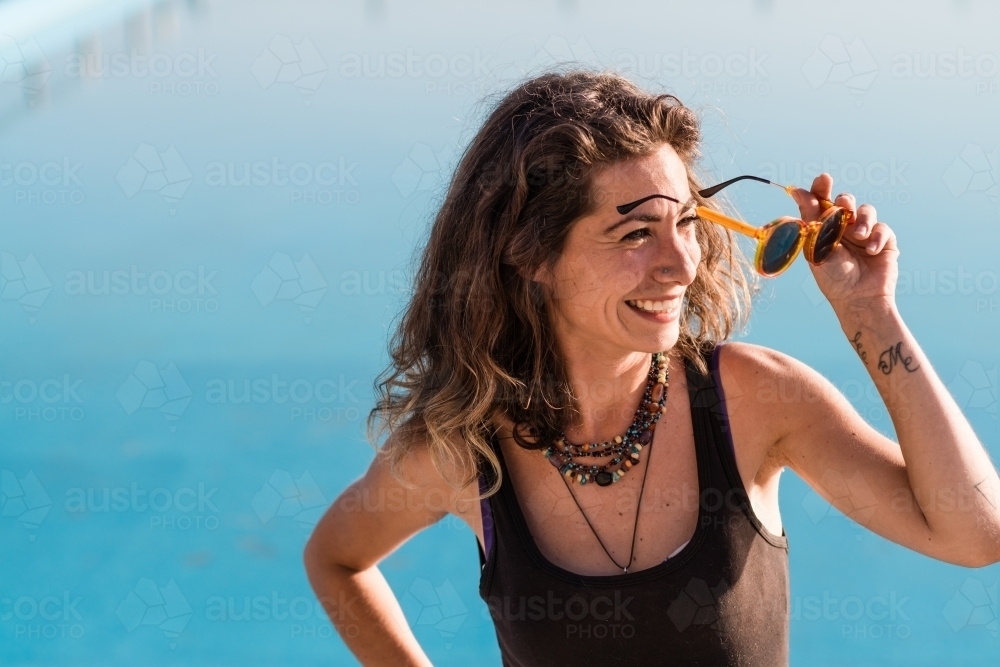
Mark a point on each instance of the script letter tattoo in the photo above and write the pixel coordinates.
(856, 341)
(893, 356)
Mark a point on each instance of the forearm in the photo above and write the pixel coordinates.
(951, 476)
(367, 615)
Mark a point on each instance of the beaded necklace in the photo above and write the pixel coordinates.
(638, 435)
(624, 449)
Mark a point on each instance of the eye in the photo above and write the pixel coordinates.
(683, 222)
(637, 235)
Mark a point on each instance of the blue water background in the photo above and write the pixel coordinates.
(786, 88)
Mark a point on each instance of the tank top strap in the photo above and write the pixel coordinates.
(486, 477)
(709, 415)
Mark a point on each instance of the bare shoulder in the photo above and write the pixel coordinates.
(433, 478)
(746, 361)
(779, 393)
(776, 394)
(387, 505)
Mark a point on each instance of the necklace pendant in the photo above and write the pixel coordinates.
(603, 478)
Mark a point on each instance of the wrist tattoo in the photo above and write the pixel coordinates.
(856, 341)
(892, 357)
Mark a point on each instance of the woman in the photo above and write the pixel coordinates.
(540, 307)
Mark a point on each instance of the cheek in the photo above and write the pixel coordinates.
(692, 249)
(695, 251)
(596, 279)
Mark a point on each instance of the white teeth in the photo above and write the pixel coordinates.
(656, 306)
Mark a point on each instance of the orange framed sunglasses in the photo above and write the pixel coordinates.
(779, 241)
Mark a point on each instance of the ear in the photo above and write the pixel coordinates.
(543, 274)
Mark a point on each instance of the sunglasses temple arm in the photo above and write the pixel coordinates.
(823, 203)
(729, 223)
(708, 192)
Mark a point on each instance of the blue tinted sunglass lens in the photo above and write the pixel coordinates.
(780, 247)
(829, 235)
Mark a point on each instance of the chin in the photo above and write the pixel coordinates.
(661, 342)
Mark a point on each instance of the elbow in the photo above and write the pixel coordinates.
(321, 561)
(312, 557)
(983, 558)
(992, 559)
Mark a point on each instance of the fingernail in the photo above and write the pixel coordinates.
(861, 230)
(872, 246)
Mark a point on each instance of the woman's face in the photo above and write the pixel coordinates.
(619, 284)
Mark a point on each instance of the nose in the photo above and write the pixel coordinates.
(676, 260)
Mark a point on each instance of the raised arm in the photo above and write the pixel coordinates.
(890, 488)
(937, 491)
(372, 518)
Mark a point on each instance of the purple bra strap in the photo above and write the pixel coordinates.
(723, 410)
(487, 514)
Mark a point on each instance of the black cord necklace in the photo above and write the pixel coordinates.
(648, 425)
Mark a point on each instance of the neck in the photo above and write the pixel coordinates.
(607, 386)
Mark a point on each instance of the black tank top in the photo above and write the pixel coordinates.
(723, 599)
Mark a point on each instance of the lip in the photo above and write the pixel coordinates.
(660, 317)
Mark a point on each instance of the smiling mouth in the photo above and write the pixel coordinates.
(658, 307)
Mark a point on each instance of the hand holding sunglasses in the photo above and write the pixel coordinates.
(779, 241)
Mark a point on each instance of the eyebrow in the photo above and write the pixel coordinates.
(625, 208)
(642, 217)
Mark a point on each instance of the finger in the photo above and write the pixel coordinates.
(808, 203)
(866, 217)
(808, 200)
(879, 238)
(822, 186)
(846, 200)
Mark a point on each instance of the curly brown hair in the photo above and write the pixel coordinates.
(475, 343)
